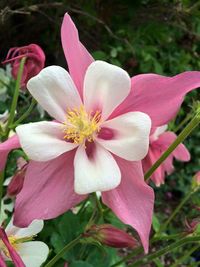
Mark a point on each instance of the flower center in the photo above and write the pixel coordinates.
(81, 126)
(14, 241)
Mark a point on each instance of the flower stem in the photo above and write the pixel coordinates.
(185, 256)
(140, 249)
(15, 97)
(149, 258)
(184, 121)
(181, 137)
(63, 251)
(171, 217)
(25, 115)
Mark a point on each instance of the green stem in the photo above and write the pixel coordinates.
(176, 211)
(140, 249)
(149, 258)
(15, 97)
(183, 122)
(63, 251)
(185, 256)
(181, 137)
(25, 114)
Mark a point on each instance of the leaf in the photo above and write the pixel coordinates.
(156, 223)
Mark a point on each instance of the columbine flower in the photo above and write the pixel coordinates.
(35, 59)
(32, 253)
(105, 122)
(5, 148)
(160, 140)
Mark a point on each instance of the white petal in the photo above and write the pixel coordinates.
(105, 87)
(43, 141)
(131, 135)
(34, 228)
(99, 172)
(33, 253)
(55, 91)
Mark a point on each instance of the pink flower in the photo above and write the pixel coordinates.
(35, 59)
(120, 128)
(111, 236)
(5, 148)
(160, 140)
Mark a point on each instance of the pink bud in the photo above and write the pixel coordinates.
(112, 236)
(16, 184)
(35, 59)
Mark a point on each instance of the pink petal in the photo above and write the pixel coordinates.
(77, 56)
(132, 201)
(48, 190)
(13, 254)
(6, 147)
(158, 96)
(153, 155)
(166, 139)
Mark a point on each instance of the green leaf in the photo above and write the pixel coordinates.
(156, 223)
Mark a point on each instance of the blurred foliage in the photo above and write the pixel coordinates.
(160, 36)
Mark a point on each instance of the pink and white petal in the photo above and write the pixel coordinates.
(168, 165)
(180, 153)
(48, 190)
(6, 147)
(105, 87)
(132, 201)
(159, 96)
(33, 253)
(55, 91)
(43, 141)
(157, 132)
(130, 135)
(78, 58)
(34, 228)
(96, 172)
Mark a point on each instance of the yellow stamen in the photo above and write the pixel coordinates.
(81, 126)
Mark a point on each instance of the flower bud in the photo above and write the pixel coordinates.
(196, 180)
(111, 236)
(16, 184)
(35, 59)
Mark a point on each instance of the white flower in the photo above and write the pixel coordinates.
(32, 253)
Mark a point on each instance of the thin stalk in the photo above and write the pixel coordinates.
(25, 114)
(63, 251)
(149, 258)
(176, 211)
(15, 97)
(185, 256)
(184, 121)
(181, 137)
